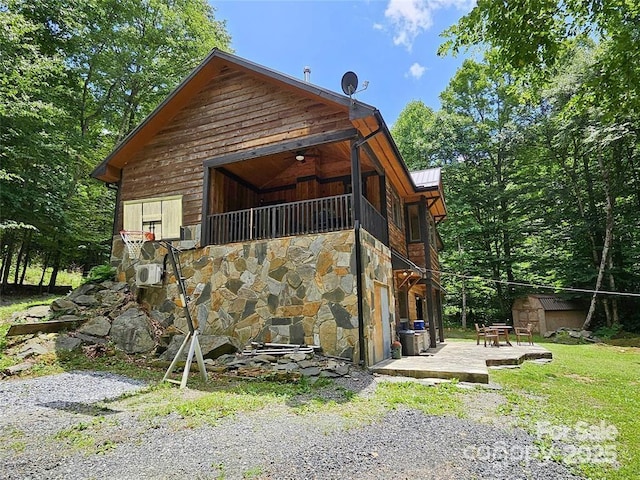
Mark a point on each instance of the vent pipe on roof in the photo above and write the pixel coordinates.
(307, 74)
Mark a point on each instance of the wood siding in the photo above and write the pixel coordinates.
(416, 254)
(235, 112)
(371, 189)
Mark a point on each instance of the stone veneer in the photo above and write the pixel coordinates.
(377, 268)
(288, 290)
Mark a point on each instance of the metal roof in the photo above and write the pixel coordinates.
(550, 302)
(426, 178)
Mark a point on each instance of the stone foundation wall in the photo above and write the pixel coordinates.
(287, 290)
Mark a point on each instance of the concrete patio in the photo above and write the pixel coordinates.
(460, 359)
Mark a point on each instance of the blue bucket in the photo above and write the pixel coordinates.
(418, 324)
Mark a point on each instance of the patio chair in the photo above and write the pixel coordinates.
(493, 336)
(479, 333)
(525, 332)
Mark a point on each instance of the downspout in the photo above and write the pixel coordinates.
(356, 179)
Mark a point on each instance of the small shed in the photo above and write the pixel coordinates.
(547, 313)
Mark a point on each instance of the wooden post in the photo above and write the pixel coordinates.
(383, 206)
(423, 213)
(205, 237)
(439, 314)
(356, 192)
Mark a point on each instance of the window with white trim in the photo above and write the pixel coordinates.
(161, 216)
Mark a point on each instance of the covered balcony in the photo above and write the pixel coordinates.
(305, 191)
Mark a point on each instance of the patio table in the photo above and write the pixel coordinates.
(502, 330)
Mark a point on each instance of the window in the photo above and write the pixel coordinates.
(396, 209)
(413, 213)
(161, 216)
(433, 238)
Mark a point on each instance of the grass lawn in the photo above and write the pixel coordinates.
(64, 277)
(587, 389)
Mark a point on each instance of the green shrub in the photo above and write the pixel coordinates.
(101, 273)
(607, 333)
(566, 339)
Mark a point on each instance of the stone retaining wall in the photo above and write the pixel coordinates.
(288, 290)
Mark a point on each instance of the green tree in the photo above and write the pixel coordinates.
(479, 138)
(79, 76)
(594, 137)
(533, 37)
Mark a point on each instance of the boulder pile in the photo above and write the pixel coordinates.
(109, 315)
(562, 334)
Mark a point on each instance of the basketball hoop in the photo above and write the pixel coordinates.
(134, 240)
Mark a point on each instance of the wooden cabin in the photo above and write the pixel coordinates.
(298, 219)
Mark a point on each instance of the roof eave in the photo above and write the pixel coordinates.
(355, 108)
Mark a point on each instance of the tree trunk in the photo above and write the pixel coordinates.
(6, 261)
(615, 318)
(24, 247)
(54, 273)
(16, 271)
(45, 265)
(27, 259)
(607, 311)
(463, 314)
(7, 250)
(607, 243)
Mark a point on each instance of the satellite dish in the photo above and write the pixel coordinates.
(349, 83)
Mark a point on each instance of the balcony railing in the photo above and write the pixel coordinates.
(297, 218)
(320, 215)
(373, 222)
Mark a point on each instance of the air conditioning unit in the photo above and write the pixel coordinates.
(148, 275)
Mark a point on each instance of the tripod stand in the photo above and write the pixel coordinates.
(191, 337)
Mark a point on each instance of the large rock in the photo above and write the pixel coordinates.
(67, 343)
(212, 346)
(86, 300)
(64, 305)
(97, 327)
(85, 289)
(108, 298)
(39, 311)
(131, 332)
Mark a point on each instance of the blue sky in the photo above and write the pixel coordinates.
(390, 43)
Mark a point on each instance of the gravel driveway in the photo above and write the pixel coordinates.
(273, 444)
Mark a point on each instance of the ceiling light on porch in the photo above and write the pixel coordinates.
(300, 156)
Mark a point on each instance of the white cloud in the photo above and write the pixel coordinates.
(409, 18)
(416, 70)
(378, 26)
